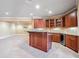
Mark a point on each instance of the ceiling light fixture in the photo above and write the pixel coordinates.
(6, 13)
(37, 6)
(31, 14)
(50, 12)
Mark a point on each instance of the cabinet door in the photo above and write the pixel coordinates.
(68, 41)
(39, 40)
(74, 43)
(63, 21)
(52, 23)
(67, 21)
(78, 43)
(59, 22)
(71, 19)
(39, 23)
(44, 41)
(56, 37)
(47, 24)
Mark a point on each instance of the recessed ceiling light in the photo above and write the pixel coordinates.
(7, 13)
(31, 14)
(50, 12)
(37, 6)
(73, 14)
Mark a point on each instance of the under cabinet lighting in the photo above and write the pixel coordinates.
(56, 29)
(73, 28)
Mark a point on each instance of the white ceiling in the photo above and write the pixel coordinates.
(23, 8)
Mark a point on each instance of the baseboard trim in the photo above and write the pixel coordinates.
(7, 36)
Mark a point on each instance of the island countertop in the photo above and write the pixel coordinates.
(62, 31)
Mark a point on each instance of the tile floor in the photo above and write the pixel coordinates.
(17, 47)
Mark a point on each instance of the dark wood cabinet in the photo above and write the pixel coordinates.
(59, 22)
(47, 23)
(39, 23)
(78, 44)
(40, 40)
(71, 19)
(50, 23)
(68, 20)
(56, 37)
(72, 42)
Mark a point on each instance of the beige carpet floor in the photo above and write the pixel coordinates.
(17, 47)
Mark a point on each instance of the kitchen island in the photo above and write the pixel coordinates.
(40, 40)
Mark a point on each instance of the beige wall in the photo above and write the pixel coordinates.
(10, 27)
(20, 29)
(5, 29)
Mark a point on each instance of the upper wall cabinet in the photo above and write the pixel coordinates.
(47, 23)
(71, 19)
(60, 22)
(39, 23)
(50, 23)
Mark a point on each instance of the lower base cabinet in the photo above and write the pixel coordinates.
(72, 42)
(43, 41)
(40, 40)
(56, 37)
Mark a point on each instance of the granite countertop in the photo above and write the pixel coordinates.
(39, 30)
(70, 31)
